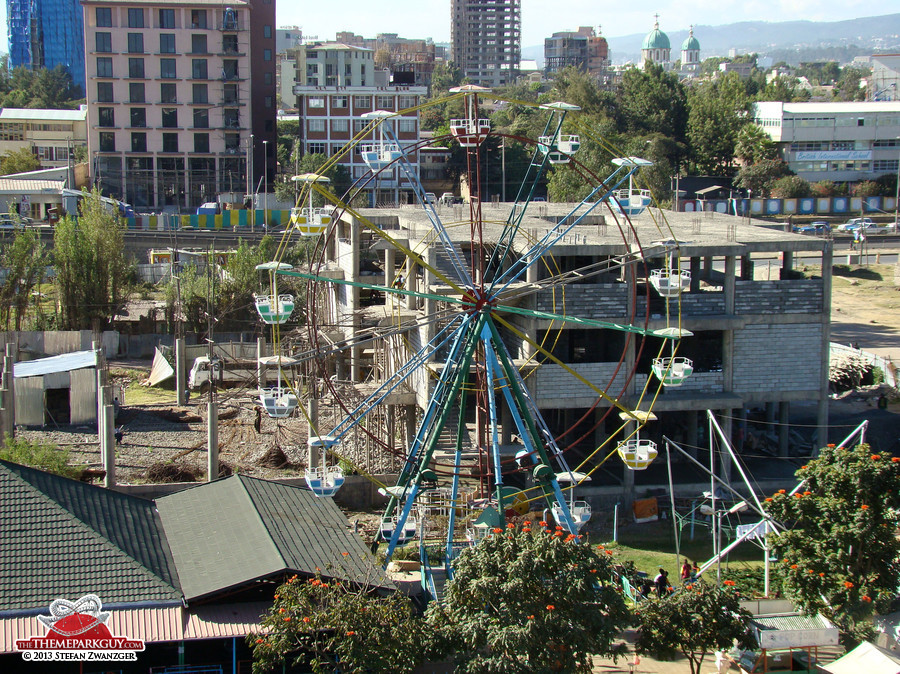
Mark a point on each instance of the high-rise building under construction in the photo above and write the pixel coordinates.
(45, 34)
(485, 37)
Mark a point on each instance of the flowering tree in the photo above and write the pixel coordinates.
(693, 621)
(329, 624)
(529, 600)
(839, 551)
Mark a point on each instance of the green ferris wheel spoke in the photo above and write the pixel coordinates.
(623, 327)
(374, 286)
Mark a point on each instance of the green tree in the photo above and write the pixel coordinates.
(336, 173)
(92, 272)
(866, 188)
(840, 554)
(654, 101)
(781, 88)
(327, 624)
(827, 188)
(754, 144)
(694, 621)
(444, 76)
(760, 176)
(24, 260)
(790, 187)
(19, 161)
(529, 600)
(718, 112)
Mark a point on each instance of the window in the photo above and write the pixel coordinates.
(138, 141)
(316, 101)
(267, 31)
(885, 165)
(316, 125)
(170, 142)
(230, 94)
(316, 148)
(104, 92)
(139, 117)
(230, 44)
(166, 43)
(406, 125)
(103, 42)
(340, 125)
(104, 66)
(359, 125)
(362, 102)
(229, 69)
(407, 101)
(136, 92)
(167, 18)
(105, 117)
(104, 17)
(233, 143)
(267, 78)
(107, 141)
(267, 54)
(135, 43)
(384, 102)
(339, 101)
(198, 18)
(135, 17)
(888, 142)
(229, 19)
(136, 68)
(201, 118)
(268, 102)
(201, 142)
(198, 44)
(167, 69)
(199, 69)
(170, 118)
(231, 118)
(201, 93)
(168, 93)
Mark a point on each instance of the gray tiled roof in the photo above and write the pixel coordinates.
(230, 532)
(63, 538)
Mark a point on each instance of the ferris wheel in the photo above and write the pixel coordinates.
(455, 333)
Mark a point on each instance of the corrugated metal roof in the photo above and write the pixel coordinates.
(156, 625)
(14, 186)
(16, 114)
(791, 621)
(65, 362)
(283, 529)
(867, 658)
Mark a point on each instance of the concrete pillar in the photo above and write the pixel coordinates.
(355, 351)
(9, 393)
(410, 425)
(784, 419)
(410, 283)
(260, 368)
(97, 348)
(430, 305)
(692, 437)
(707, 267)
(695, 274)
(506, 421)
(729, 284)
(389, 274)
(822, 411)
(180, 378)
(787, 264)
(746, 268)
(108, 446)
(725, 463)
(312, 411)
(212, 441)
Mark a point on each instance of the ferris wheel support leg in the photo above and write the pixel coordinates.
(454, 490)
(492, 410)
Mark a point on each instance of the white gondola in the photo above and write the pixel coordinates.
(380, 153)
(670, 282)
(580, 510)
(308, 220)
(559, 152)
(407, 533)
(637, 453)
(672, 371)
(477, 533)
(274, 308)
(631, 201)
(470, 131)
(323, 480)
(278, 401)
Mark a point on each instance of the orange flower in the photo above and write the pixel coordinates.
(895, 459)
(306, 620)
(730, 583)
(281, 610)
(782, 491)
(526, 530)
(345, 553)
(288, 619)
(531, 617)
(542, 523)
(810, 571)
(497, 530)
(848, 584)
(351, 633)
(821, 574)
(609, 552)
(570, 537)
(864, 507)
(875, 457)
(558, 533)
(558, 527)
(593, 570)
(769, 500)
(831, 445)
(798, 495)
(793, 566)
(550, 607)
(259, 641)
(866, 598)
(276, 596)
(807, 493)
(510, 526)
(804, 467)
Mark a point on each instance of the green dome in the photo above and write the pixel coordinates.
(690, 43)
(656, 39)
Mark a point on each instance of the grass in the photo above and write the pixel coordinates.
(137, 394)
(45, 456)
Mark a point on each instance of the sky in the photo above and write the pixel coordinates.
(541, 18)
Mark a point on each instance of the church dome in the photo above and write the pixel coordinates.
(691, 42)
(656, 39)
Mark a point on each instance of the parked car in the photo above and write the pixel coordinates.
(448, 199)
(855, 223)
(816, 227)
(430, 198)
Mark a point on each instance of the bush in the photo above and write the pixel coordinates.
(45, 456)
(790, 187)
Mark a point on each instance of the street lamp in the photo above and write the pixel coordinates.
(265, 185)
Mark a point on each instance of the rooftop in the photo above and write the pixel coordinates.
(42, 114)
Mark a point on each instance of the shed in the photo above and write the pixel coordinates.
(787, 642)
(57, 390)
(866, 658)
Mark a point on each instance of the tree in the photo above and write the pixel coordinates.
(827, 188)
(24, 261)
(19, 161)
(654, 101)
(718, 111)
(529, 600)
(693, 621)
(754, 144)
(840, 555)
(92, 272)
(790, 187)
(444, 76)
(866, 188)
(329, 623)
(761, 176)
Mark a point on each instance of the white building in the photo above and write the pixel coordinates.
(885, 82)
(51, 135)
(842, 142)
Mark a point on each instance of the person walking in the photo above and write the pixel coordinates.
(685, 572)
(662, 583)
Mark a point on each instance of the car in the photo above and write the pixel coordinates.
(430, 198)
(816, 227)
(856, 223)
